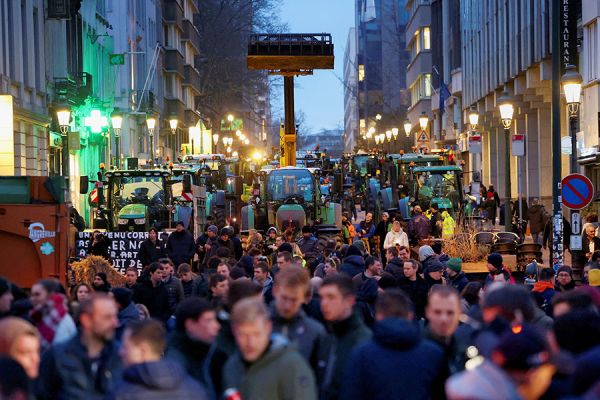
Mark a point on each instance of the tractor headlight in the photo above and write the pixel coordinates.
(123, 221)
(140, 221)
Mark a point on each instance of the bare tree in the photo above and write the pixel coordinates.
(225, 27)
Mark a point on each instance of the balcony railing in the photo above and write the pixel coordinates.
(192, 78)
(173, 61)
(190, 34)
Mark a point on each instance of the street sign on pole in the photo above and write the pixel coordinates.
(116, 59)
(577, 191)
(518, 145)
(475, 144)
(576, 222)
(423, 137)
(576, 242)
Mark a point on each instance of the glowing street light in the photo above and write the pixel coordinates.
(407, 127)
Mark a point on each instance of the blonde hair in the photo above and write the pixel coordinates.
(249, 309)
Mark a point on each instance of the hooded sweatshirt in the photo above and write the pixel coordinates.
(163, 379)
(393, 238)
(373, 369)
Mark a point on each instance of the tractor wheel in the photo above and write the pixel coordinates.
(324, 238)
(220, 217)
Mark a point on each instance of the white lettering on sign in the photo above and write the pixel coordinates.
(37, 231)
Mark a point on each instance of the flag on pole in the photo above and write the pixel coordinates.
(444, 95)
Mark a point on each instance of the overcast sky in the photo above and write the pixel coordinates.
(320, 96)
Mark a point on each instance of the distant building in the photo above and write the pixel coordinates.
(330, 141)
(376, 75)
(350, 93)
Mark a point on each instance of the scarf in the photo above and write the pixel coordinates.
(46, 317)
(542, 286)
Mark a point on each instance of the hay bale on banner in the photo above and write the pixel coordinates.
(84, 271)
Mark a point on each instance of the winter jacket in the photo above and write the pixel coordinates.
(448, 225)
(346, 335)
(396, 362)
(238, 251)
(543, 292)
(181, 247)
(200, 287)
(200, 360)
(436, 224)
(489, 279)
(66, 372)
(537, 218)
(125, 316)
(281, 373)
(151, 251)
(485, 382)
(459, 281)
(174, 292)
(489, 207)
(395, 267)
(188, 288)
(156, 299)
(308, 247)
(382, 230)
(419, 227)
(215, 245)
(455, 349)
(393, 238)
(417, 291)
(352, 265)
(267, 290)
(369, 228)
(309, 336)
(158, 380)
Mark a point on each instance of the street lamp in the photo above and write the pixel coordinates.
(506, 114)
(64, 118)
(423, 120)
(116, 119)
(407, 127)
(173, 123)
(378, 117)
(473, 118)
(63, 115)
(388, 135)
(246, 141)
(571, 82)
(230, 118)
(238, 133)
(215, 138)
(395, 133)
(151, 124)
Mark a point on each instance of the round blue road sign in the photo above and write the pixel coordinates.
(577, 191)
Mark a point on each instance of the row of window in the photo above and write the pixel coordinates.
(421, 41)
(420, 89)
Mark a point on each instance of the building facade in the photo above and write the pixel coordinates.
(418, 71)
(26, 145)
(350, 93)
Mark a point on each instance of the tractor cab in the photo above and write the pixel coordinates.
(438, 184)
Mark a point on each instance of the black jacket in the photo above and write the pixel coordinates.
(66, 372)
(309, 336)
(174, 293)
(203, 362)
(181, 247)
(200, 287)
(126, 315)
(352, 265)
(346, 335)
(156, 299)
(396, 363)
(151, 251)
(417, 291)
(459, 281)
(158, 380)
(396, 268)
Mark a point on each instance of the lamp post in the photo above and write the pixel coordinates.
(63, 114)
(407, 127)
(506, 114)
(473, 118)
(116, 119)
(571, 82)
(151, 124)
(395, 134)
(215, 138)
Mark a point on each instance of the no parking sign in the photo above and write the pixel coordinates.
(577, 191)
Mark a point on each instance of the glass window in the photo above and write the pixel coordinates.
(361, 72)
(427, 85)
(417, 42)
(283, 184)
(426, 38)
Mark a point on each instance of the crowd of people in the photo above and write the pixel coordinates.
(276, 318)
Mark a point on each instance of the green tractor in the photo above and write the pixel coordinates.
(290, 198)
(132, 200)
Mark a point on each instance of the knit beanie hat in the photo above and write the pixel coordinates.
(455, 264)
(122, 296)
(213, 229)
(424, 252)
(353, 251)
(566, 269)
(594, 277)
(496, 260)
(359, 244)
(286, 247)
